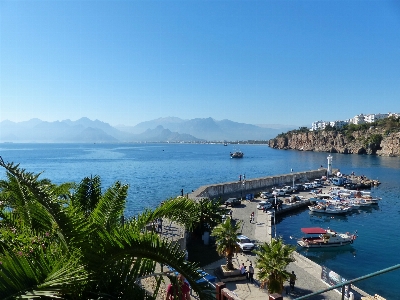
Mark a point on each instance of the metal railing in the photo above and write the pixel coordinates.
(343, 284)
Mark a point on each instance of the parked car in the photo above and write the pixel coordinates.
(264, 204)
(288, 189)
(232, 202)
(266, 195)
(278, 192)
(244, 243)
(227, 214)
(299, 187)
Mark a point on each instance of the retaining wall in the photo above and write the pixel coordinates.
(241, 188)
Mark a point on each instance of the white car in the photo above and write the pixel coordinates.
(288, 189)
(244, 243)
(279, 192)
(263, 204)
(266, 195)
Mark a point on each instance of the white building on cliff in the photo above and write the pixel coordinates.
(359, 119)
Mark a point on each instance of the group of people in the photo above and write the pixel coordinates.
(249, 274)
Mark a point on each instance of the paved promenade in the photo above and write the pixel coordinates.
(308, 273)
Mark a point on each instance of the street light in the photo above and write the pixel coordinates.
(291, 171)
(329, 170)
(241, 192)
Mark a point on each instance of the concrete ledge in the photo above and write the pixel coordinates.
(229, 276)
(228, 273)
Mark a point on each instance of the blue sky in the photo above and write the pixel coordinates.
(256, 62)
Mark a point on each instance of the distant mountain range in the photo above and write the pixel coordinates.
(169, 129)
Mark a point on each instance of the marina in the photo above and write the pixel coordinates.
(156, 172)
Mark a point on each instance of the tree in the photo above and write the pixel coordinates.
(208, 214)
(272, 260)
(226, 238)
(69, 242)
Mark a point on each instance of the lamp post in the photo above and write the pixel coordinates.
(291, 171)
(329, 170)
(274, 215)
(243, 182)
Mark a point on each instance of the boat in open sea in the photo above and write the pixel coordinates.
(317, 237)
(237, 154)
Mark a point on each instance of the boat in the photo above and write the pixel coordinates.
(365, 202)
(237, 154)
(317, 237)
(330, 208)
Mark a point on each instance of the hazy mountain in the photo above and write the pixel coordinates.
(37, 131)
(172, 123)
(210, 129)
(94, 135)
(160, 134)
(169, 129)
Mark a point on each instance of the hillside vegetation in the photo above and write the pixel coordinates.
(381, 138)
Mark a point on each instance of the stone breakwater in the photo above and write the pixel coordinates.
(336, 142)
(241, 188)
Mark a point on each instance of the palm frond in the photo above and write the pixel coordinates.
(111, 206)
(46, 271)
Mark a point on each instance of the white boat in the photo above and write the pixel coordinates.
(317, 237)
(365, 202)
(317, 208)
(330, 209)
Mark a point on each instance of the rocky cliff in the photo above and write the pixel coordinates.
(371, 141)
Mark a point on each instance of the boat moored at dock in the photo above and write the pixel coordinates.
(317, 237)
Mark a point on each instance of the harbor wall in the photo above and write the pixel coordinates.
(241, 188)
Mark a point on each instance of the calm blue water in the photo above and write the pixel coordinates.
(156, 172)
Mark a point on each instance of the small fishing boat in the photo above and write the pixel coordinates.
(317, 237)
(330, 209)
(237, 154)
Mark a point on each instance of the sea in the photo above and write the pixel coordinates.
(156, 172)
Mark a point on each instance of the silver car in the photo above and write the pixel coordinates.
(244, 243)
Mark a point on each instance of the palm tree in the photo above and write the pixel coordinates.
(61, 241)
(208, 215)
(272, 260)
(226, 238)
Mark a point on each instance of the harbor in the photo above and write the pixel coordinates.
(263, 228)
(150, 184)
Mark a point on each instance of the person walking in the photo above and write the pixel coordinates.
(292, 280)
(251, 273)
(252, 217)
